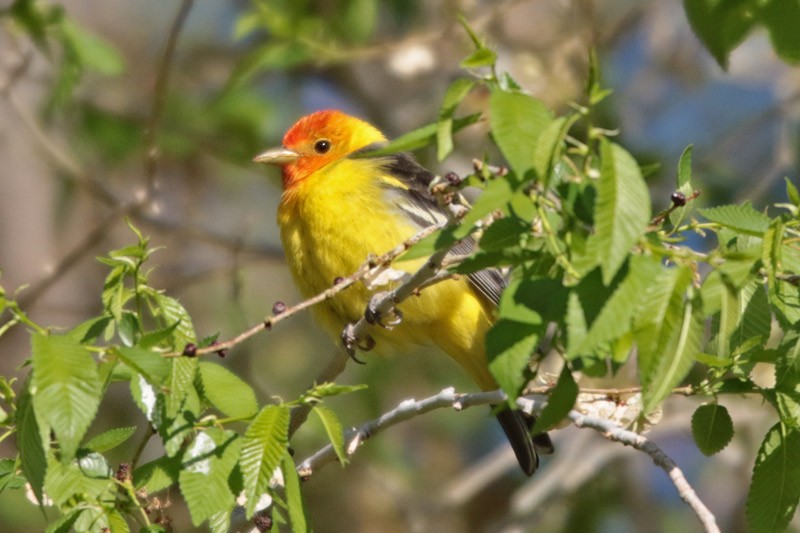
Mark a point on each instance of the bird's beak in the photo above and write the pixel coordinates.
(277, 156)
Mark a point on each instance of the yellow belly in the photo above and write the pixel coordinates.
(331, 225)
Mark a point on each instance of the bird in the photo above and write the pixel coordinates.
(338, 206)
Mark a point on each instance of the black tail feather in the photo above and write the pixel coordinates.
(517, 426)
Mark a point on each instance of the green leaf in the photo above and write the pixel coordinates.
(418, 138)
(526, 308)
(549, 147)
(294, 496)
(780, 17)
(172, 311)
(207, 465)
(721, 26)
(615, 317)
(110, 439)
(93, 51)
(742, 218)
(157, 475)
(559, 403)
(712, 428)
(775, 488)
(64, 523)
(444, 130)
(685, 167)
(226, 391)
(66, 389)
(90, 477)
(668, 331)
(181, 382)
(622, 211)
(504, 233)
(482, 57)
(334, 430)
(791, 192)
(498, 193)
(31, 442)
(9, 479)
(328, 389)
(87, 332)
(263, 446)
(517, 121)
(684, 186)
(152, 365)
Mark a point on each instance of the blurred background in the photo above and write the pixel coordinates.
(73, 143)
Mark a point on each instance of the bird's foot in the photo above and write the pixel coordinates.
(373, 314)
(351, 343)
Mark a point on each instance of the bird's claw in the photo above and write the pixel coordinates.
(373, 315)
(351, 343)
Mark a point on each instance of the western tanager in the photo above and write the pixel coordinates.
(336, 210)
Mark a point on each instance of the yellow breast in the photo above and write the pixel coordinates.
(331, 221)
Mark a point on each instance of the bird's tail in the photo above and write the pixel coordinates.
(517, 427)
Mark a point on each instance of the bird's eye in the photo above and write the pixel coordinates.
(322, 146)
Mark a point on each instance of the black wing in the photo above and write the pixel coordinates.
(424, 211)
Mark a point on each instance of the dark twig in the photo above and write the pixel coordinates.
(160, 98)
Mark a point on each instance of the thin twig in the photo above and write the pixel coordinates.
(160, 98)
(344, 283)
(661, 459)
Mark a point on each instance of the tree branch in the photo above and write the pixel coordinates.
(354, 438)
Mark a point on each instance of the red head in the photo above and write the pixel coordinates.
(317, 140)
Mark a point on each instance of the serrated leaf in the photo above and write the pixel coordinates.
(622, 211)
(775, 487)
(334, 430)
(668, 332)
(64, 523)
(615, 317)
(87, 332)
(677, 358)
(504, 233)
(207, 465)
(31, 442)
(444, 130)
(91, 478)
(559, 403)
(497, 194)
(742, 218)
(226, 391)
(712, 428)
(549, 147)
(152, 365)
(66, 389)
(517, 121)
(526, 308)
(173, 312)
(110, 439)
(294, 496)
(9, 479)
(263, 446)
(181, 382)
(157, 475)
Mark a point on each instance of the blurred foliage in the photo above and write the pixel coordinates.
(574, 224)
